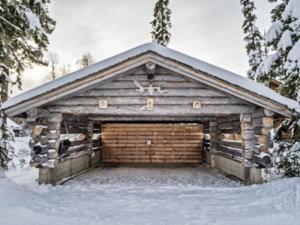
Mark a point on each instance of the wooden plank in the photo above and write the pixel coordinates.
(191, 92)
(148, 153)
(163, 84)
(164, 129)
(156, 133)
(174, 141)
(157, 110)
(153, 118)
(150, 157)
(158, 139)
(228, 150)
(143, 77)
(232, 144)
(133, 151)
(153, 161)
(231, 118)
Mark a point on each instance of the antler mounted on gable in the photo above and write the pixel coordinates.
(151, 89)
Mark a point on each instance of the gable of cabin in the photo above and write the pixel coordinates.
(173, 96)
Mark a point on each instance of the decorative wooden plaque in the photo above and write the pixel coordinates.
(197, 105)
(150, 103)
(103, 104)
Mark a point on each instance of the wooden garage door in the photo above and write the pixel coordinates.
(152, 143)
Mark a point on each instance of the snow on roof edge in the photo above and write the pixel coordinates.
(215, 71)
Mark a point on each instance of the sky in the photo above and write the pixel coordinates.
(206, 29)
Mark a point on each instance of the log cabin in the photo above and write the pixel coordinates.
(150, 105)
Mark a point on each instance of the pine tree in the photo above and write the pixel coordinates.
(24, 29)
(161, 23)
(253, 37)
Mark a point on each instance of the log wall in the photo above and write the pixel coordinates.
(229, 143)
(263, 124)
(174, 99)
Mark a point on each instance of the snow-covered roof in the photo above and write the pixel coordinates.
(197, 64)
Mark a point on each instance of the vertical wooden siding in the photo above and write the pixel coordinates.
(152, 143)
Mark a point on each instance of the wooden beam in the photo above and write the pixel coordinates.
(138, 100)
(153, 118)
(178, 92)
(212, 110)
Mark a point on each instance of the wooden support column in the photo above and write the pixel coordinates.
(248, 143)
(264, 139)
(89, 139)
(37, 126)
(54, 124)
(213, 130)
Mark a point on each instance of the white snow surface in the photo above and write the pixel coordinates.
(133, 196)
(19, 153)
(274, 31)
(285, 40)
(292, 9)
(294, 54)
(197, 64)
(33, 20)
(266, 66)
(19, 150)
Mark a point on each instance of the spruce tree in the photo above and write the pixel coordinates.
(24, 29)
(283, 38)
(283, 64)
(161, 23)
(253, 37)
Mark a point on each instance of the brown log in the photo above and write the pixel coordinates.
(262, 159)
(37, 130)
(268, 122)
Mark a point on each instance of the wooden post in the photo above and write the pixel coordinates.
(54, 124)
(213, 130)
(248, 143)
(264, 139)
(89, 139)
(37, 125)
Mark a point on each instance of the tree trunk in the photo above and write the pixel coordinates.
(3, 124)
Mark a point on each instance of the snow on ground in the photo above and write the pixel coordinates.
(19, 149)
(134, 196)
(201, 176)
(20, 154)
